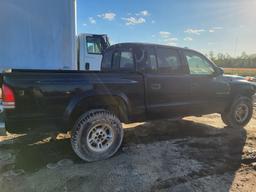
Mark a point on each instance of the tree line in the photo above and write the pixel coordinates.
(227, 61)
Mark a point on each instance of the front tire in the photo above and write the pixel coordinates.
(96, 135)
(240, 112)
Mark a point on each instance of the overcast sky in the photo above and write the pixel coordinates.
(227, 26)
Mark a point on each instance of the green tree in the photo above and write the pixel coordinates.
(227, 61)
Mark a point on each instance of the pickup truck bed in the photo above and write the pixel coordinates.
(51, 97)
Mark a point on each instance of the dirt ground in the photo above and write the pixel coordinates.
(193, 154)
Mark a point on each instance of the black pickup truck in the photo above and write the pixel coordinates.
(138, 82)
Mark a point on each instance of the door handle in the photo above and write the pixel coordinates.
(155, 86)
(87, 66)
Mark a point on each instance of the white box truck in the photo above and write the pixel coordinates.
(42, 34)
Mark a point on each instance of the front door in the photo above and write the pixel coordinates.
(91, 48)
(167, 84)
(209, 92)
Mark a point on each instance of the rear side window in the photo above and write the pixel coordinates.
(126, 60)
(140, 57)
(120, 60)
(168, 61)
(107, 60)
(115, 60)
(151, 63)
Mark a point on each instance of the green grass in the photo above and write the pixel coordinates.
(241, 71)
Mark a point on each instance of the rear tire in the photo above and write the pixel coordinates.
(96, 135)
(240, 112)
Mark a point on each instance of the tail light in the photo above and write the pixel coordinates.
(1, 95)
(8, 97)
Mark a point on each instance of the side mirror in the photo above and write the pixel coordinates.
(220, 71)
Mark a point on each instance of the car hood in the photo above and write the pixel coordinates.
(234, 77)
(238, 80)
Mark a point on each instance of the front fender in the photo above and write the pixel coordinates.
(243, 88)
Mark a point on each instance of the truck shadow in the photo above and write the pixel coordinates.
(218, 149)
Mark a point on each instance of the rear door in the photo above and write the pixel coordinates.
(209, 92)
(167, 84)
(124, 79)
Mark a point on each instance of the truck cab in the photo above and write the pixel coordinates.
(90, 49)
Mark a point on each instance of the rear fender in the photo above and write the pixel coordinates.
(116, 102)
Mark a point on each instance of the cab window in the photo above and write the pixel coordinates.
(115, 60)
(123, 60)
(93, 45)
(126, 60)
(107, 61)
(168, 61)
(140, 57)
(197, 64)
(151, 63)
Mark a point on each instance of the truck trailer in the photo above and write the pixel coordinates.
(42, 34)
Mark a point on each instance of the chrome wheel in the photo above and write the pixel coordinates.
(241, 112)
(100, 137)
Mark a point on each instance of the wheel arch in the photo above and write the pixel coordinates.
(117, 103)
(247, 90)
(240, 90)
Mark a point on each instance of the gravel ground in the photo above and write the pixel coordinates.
(194, 154)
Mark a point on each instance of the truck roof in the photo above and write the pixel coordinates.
(131, 44)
